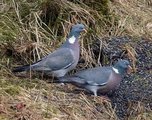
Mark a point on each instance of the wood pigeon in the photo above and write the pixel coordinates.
(104, 79)
(62, 60)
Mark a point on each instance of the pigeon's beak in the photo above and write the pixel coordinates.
(129, 70)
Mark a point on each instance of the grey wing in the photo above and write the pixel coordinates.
(59, 59)
(96, 76)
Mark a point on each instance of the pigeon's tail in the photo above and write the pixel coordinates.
(21, 68)
(64, 80)
(74, 80)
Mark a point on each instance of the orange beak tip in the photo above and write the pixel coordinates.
(84, 30)
(130, 69)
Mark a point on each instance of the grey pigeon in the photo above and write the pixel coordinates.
(62, 60)
(103, 79)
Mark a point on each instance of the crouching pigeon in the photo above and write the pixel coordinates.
(103, 79)
(62, 60)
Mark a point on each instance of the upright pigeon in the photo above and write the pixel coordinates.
(62, 60)
(103, 79)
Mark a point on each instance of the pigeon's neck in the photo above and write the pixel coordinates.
(115, 70)
(71, 42)
(119, 70)
(72, 38)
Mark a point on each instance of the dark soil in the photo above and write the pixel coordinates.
(136, 88)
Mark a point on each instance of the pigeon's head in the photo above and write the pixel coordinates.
(122, 66)
(76, 29)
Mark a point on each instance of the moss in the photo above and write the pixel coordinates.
(26, 8)
(99, 5)
(3, 117)
(12, 90)
(26, 83)
(50, 12)
(8, 29)
(50, 112)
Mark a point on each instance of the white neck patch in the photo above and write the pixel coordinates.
(116, 70)
(72, 40)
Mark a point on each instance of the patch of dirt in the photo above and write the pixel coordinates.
(135, 90)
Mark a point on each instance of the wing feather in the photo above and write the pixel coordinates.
(61, 58)
(95, 76)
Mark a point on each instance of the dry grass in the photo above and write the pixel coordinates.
(31, 29)
(134, 17)
(47, 101)
(138, 112)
